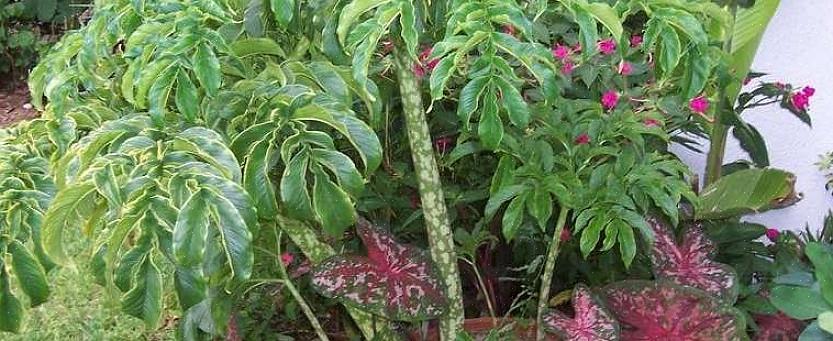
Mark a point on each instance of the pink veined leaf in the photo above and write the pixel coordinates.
(394, 280)
(664, 311)
(690, 262)
(777, 327)
(592, 322)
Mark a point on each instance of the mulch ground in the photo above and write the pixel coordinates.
(14, 105)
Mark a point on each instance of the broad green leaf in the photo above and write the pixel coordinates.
(440, 76)
(332, 205)
(29, 272)
(125, 272)
(539, 205)
(11, 310)
(513, 217)
(822, 258)
(294, 193)
(187, 97)
(257, 46)
(352, 12)
(283, 10)
(670, 50)
(746, 191)
(159, 93)
(608, 17)
(591, 235)
(627, 244)
(209, 145)
(62, 214)
(685, 22)
(207, 69)
(749, 27)
(256, 178)
(588, 33)
(798, 302)
(408, 26)
(753, 143)
(513, 102)
(490, 128)
(149, 75)
(235, 237)
(191, 230)
(825, 321)
(470, 97)
(360, 135)
(699, 65)
(344, 169)
(190, 286)
(144, 300)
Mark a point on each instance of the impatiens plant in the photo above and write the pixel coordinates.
(689, 262)
(591, 321)
(395, 281)
(662, 310)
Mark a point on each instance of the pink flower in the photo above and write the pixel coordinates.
(800, 101)
(625, 68)
(443, 144)
(583, 139)
(560, 52)
(747, 80)
(565, 234)
(808, 91)
(609, 99)
(650, 122)
(607, 46)
(699, 104)
(779, 85)
(509, 29)
(772, 234)
(287, 258)
(636, 40)
(567, 68)
(424, 66)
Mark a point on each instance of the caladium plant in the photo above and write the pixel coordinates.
(661, 310)
(394, 280)
(689, 262)
(592, 322)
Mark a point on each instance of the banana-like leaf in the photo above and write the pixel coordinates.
(747, 191)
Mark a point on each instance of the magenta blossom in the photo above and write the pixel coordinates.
(699, 104)
(424, 65)
(567, 68)
(609, 99)
(772, 234)
(607, 46)
(808, 91)
(565, 234)
(636, 40)
(443, 144)
(583, 139)
(560, 52)
(625, 68)
(287, 258)
(800, 101)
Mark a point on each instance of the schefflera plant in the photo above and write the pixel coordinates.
(394, 281)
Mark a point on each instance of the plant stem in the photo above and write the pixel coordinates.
(483, 289)
(549, 268)
(431, 192)
(316, 325)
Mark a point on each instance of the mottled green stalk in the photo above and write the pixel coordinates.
(304, 237)
(431, 192)
(549, 268)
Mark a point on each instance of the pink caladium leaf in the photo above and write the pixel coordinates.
(690, 262)
(592, 322)
(662, 310)
(777, 327)
(394, 280)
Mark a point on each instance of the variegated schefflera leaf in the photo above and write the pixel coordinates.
(690, 262)
(662, 310)
(394, 280)
(591, 321)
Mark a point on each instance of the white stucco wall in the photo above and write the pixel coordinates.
(797, 48)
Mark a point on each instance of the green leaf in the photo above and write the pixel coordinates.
(513, 217)
(11, 310)
(235, 237)
(591, 235)
(332, 205)
(207, 69)
(588, 33)
(813, 332)
(685, 22)
(753, 143)
(408, 26)
(294, 191)
(822, 258)
(352, 12)
(209, 145)
(360, 135)
(30, 274)
(469, 98)
(540, 206)
(608, 17)
(798, 302)
(283, 10)
(144, 300)
(160, 92)
(191, 230)
(490, 128)
(749, 27)
(344, 169)
(627, 244)
(670, 50)
(513, 102)
(190, 286)
(699, 65)
(256, 178)
(125, 271)
(825, 321)
(746, 191)
(257, 46)
(149, 75)
(440, 76)
(63, 213)
(187, 97)
(46, 9)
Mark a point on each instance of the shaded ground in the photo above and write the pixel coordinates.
(14, 105)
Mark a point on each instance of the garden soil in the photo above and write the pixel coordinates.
(15, 105)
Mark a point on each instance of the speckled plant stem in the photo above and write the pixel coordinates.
(549, 268)
(431, 193)
(304, 237)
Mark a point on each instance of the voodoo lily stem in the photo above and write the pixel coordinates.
(430, 189)
(549, 268)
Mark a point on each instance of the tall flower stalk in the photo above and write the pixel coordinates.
(549, 269)
(434, 210)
